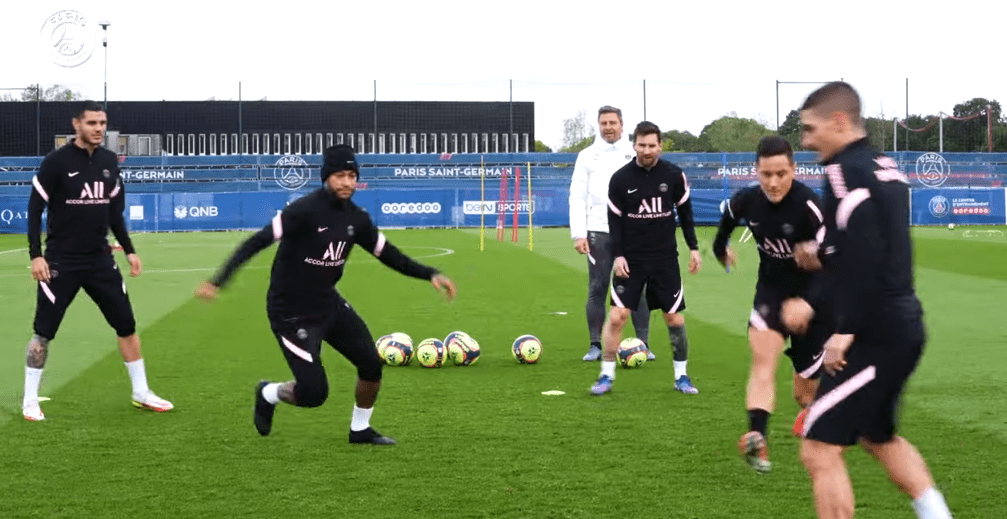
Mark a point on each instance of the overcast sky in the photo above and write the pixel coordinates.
(700, 59)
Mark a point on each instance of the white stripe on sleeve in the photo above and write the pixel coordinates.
(814, 209)
(38, 187)
(686, 195)
(277, 227)
(115, 190)
(380, 245)
(849, 204)
(614, 208)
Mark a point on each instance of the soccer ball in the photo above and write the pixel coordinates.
(398, 354)
(463, 349)
(398, 337)
(951, 226)
(632, 353)
(431, 353)
(527, 349)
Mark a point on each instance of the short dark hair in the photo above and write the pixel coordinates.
(87, 106)
(773, 145)
(609, 109)
(646, 128)
(836, 96)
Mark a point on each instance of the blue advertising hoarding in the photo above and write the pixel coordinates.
(960, 206)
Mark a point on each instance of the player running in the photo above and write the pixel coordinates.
(781, 213)
(316, 234)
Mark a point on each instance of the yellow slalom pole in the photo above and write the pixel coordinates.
(531, 201)
(482, 203)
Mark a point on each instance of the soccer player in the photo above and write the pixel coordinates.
(781, 213)
(641, 198)
(879, 332)
(80, 184)
(316, 234)
(589, 223)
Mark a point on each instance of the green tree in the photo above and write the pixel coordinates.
(578, 146)
(790, 129)
(731, 133)
(576, 129)
(675, 140)
(37, 93)
(540, 147)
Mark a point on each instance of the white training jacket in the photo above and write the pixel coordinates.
(589, 185)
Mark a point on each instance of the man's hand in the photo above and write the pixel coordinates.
(835, 352)
(729, 260)
(581, 245)
(806, 256)
(135, 265)
(443, 284)
(40, 269)
(796, 314)
(207, 291)
(695, 262)
(620, 267)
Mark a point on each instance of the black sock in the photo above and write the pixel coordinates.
(757, 420)
(595, 345)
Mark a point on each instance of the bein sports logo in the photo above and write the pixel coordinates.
(409, 208)
(182, 212)
(291, 172)
(939, 206)
(932, 169)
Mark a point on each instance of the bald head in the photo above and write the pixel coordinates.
(835, 97)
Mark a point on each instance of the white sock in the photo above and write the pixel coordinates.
(32, 378)
(271, 392)
(361, 418)
(608, 368)
(931, 505)
(680, 368)
(138, 375)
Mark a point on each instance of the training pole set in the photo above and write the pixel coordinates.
(503, 205)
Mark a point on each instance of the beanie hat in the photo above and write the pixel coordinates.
(338, 158)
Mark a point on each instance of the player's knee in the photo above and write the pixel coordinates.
(311, 394)
(618, 316)
(370, 371)
(674, 319)
(819, 457)
(803, 397)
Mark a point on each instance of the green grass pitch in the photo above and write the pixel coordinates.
(479, 441)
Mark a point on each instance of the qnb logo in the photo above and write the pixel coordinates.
(333, 256)
(651, 208)
(182, 211)
(411, 208)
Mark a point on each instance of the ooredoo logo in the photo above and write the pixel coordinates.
(411, 208)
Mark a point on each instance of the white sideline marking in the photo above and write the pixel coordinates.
(12, 250)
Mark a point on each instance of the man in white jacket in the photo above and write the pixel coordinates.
(589, 222)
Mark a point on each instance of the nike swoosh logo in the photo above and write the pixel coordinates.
(816, 357)
(321, 229)
(631, 191)
(74, 173)
(753, 224)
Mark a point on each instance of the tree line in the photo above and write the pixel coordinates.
(731, 133)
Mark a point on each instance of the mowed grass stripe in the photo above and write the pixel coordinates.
(482, 438)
